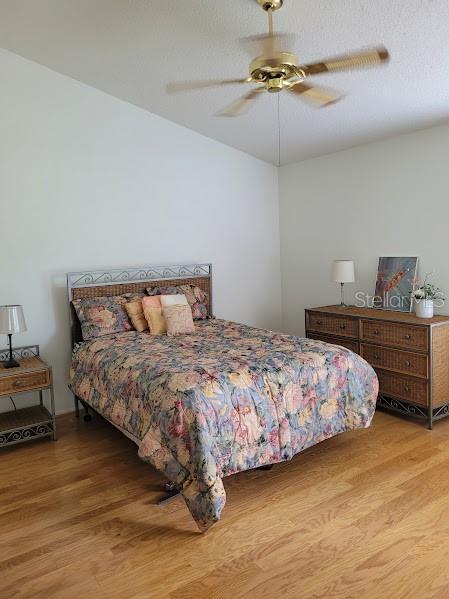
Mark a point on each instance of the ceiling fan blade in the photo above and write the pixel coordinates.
(355, 60)
(268, 44)
(242, 104)
(315, 95)
(187, 86)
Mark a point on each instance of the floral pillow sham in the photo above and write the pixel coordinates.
(101, 316)
(197, 299)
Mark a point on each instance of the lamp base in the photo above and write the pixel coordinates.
(11, 364)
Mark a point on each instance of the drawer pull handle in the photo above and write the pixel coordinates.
(319, 323)
(18, 383)
(408, 336)
(376, 332)
(342, 327)
(406, 388)
(376, 357)
(408, 363)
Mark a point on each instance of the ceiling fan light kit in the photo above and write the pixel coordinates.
(275, 69)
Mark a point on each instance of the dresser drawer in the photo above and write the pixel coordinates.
(399, 335)
(403, 387)
(395, 359)
(348, 343)
(337, 325)
(24, 382)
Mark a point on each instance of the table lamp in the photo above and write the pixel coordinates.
(343, 272)
(12, 321)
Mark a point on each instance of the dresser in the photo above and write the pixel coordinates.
(410, 355)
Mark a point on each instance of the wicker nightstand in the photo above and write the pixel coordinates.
(33, 374)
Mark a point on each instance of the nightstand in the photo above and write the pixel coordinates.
(33, 375)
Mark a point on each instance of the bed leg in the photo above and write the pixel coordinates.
(77, 406)
(87, 417)
(267, 467)
(172, 490)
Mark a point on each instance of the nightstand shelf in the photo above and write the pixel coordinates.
(25, 424)
(33, 374)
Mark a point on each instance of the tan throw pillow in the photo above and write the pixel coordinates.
(156, 320)
(179, 320)
(136, 315)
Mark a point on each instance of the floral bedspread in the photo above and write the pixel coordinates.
(225, 399)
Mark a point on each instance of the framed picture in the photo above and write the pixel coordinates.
(395, 281)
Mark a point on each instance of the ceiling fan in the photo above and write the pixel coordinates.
(275, 70)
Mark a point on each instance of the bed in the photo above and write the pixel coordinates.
(222, 400)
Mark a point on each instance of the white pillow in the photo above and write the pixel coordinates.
(173, 300)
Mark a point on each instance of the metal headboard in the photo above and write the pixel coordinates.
(114, 281)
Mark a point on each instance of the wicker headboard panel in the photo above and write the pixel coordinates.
(133, 280)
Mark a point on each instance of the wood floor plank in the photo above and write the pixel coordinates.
(361, 515)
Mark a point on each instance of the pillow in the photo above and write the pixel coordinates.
(179, 320)
(136, 315)
(100, 316)
(151, 302)
(173, 300)
(156, 320)
(197, 299)
(167, 290)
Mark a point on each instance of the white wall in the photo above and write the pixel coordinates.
(384, 199)
(87, 181)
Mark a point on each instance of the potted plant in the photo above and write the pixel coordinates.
(425, 297)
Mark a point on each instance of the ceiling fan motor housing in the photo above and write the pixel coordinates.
(285, 65)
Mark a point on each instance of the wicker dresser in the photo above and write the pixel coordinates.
(409, 354)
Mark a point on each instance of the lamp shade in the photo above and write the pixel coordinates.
(343, 271)
(12, 320)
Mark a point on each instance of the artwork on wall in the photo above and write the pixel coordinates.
(395, 281)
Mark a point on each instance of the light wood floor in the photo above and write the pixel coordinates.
(363, 515)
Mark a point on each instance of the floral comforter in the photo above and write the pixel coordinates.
(225, 399)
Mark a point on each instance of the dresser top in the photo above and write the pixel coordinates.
(387, 315)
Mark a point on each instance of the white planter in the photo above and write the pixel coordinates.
(424, 308)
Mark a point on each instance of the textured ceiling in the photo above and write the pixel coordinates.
(133, 48)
